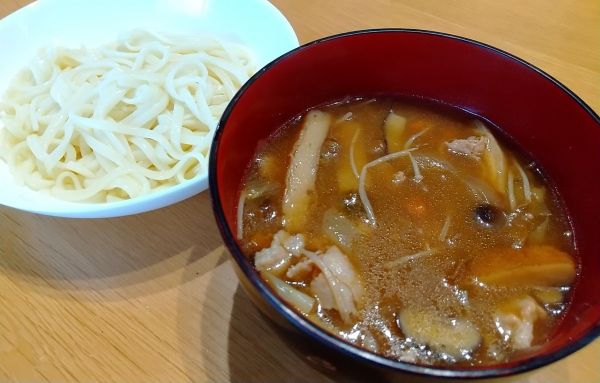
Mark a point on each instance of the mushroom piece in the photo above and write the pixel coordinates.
(453, 336)
(489, 215)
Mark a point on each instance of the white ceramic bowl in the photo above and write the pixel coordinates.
(254, 23)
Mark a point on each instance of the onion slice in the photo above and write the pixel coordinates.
(302, 302)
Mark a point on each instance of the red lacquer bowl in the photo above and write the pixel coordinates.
(541, 115)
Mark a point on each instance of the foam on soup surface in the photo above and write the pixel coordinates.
(408, 229)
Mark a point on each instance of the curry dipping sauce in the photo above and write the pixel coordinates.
(409, 229)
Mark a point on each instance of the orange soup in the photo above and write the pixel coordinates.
(409, 229)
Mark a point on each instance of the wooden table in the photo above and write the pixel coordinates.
(154, 298)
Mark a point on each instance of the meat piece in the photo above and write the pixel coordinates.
(378, 148)
(320, 287)
(300, 270)
(330, 149)
(293, 244)
(351, 202)
(516, 319)
(399, 178)
(470, 146)
(343, 290)
(276, 258)
(346, 117)
(280, 237)
(342, 269)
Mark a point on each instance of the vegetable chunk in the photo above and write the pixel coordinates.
(493, 160)
(353, 155)
(302, 172)
(531, 266)
(394, 127)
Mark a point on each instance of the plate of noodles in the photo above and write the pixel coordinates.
(108, 108)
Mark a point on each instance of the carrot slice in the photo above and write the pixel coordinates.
(531, 266)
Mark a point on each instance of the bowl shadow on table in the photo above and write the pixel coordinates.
(56, 254)
(287, 355)
(233, 341)
(259, 350)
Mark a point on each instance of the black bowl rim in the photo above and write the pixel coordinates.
(312, 330)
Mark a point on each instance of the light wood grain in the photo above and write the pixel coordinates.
(153, 297)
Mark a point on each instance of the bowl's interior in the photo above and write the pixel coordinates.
(542, 117)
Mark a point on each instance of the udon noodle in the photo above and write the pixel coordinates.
(122, 120)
